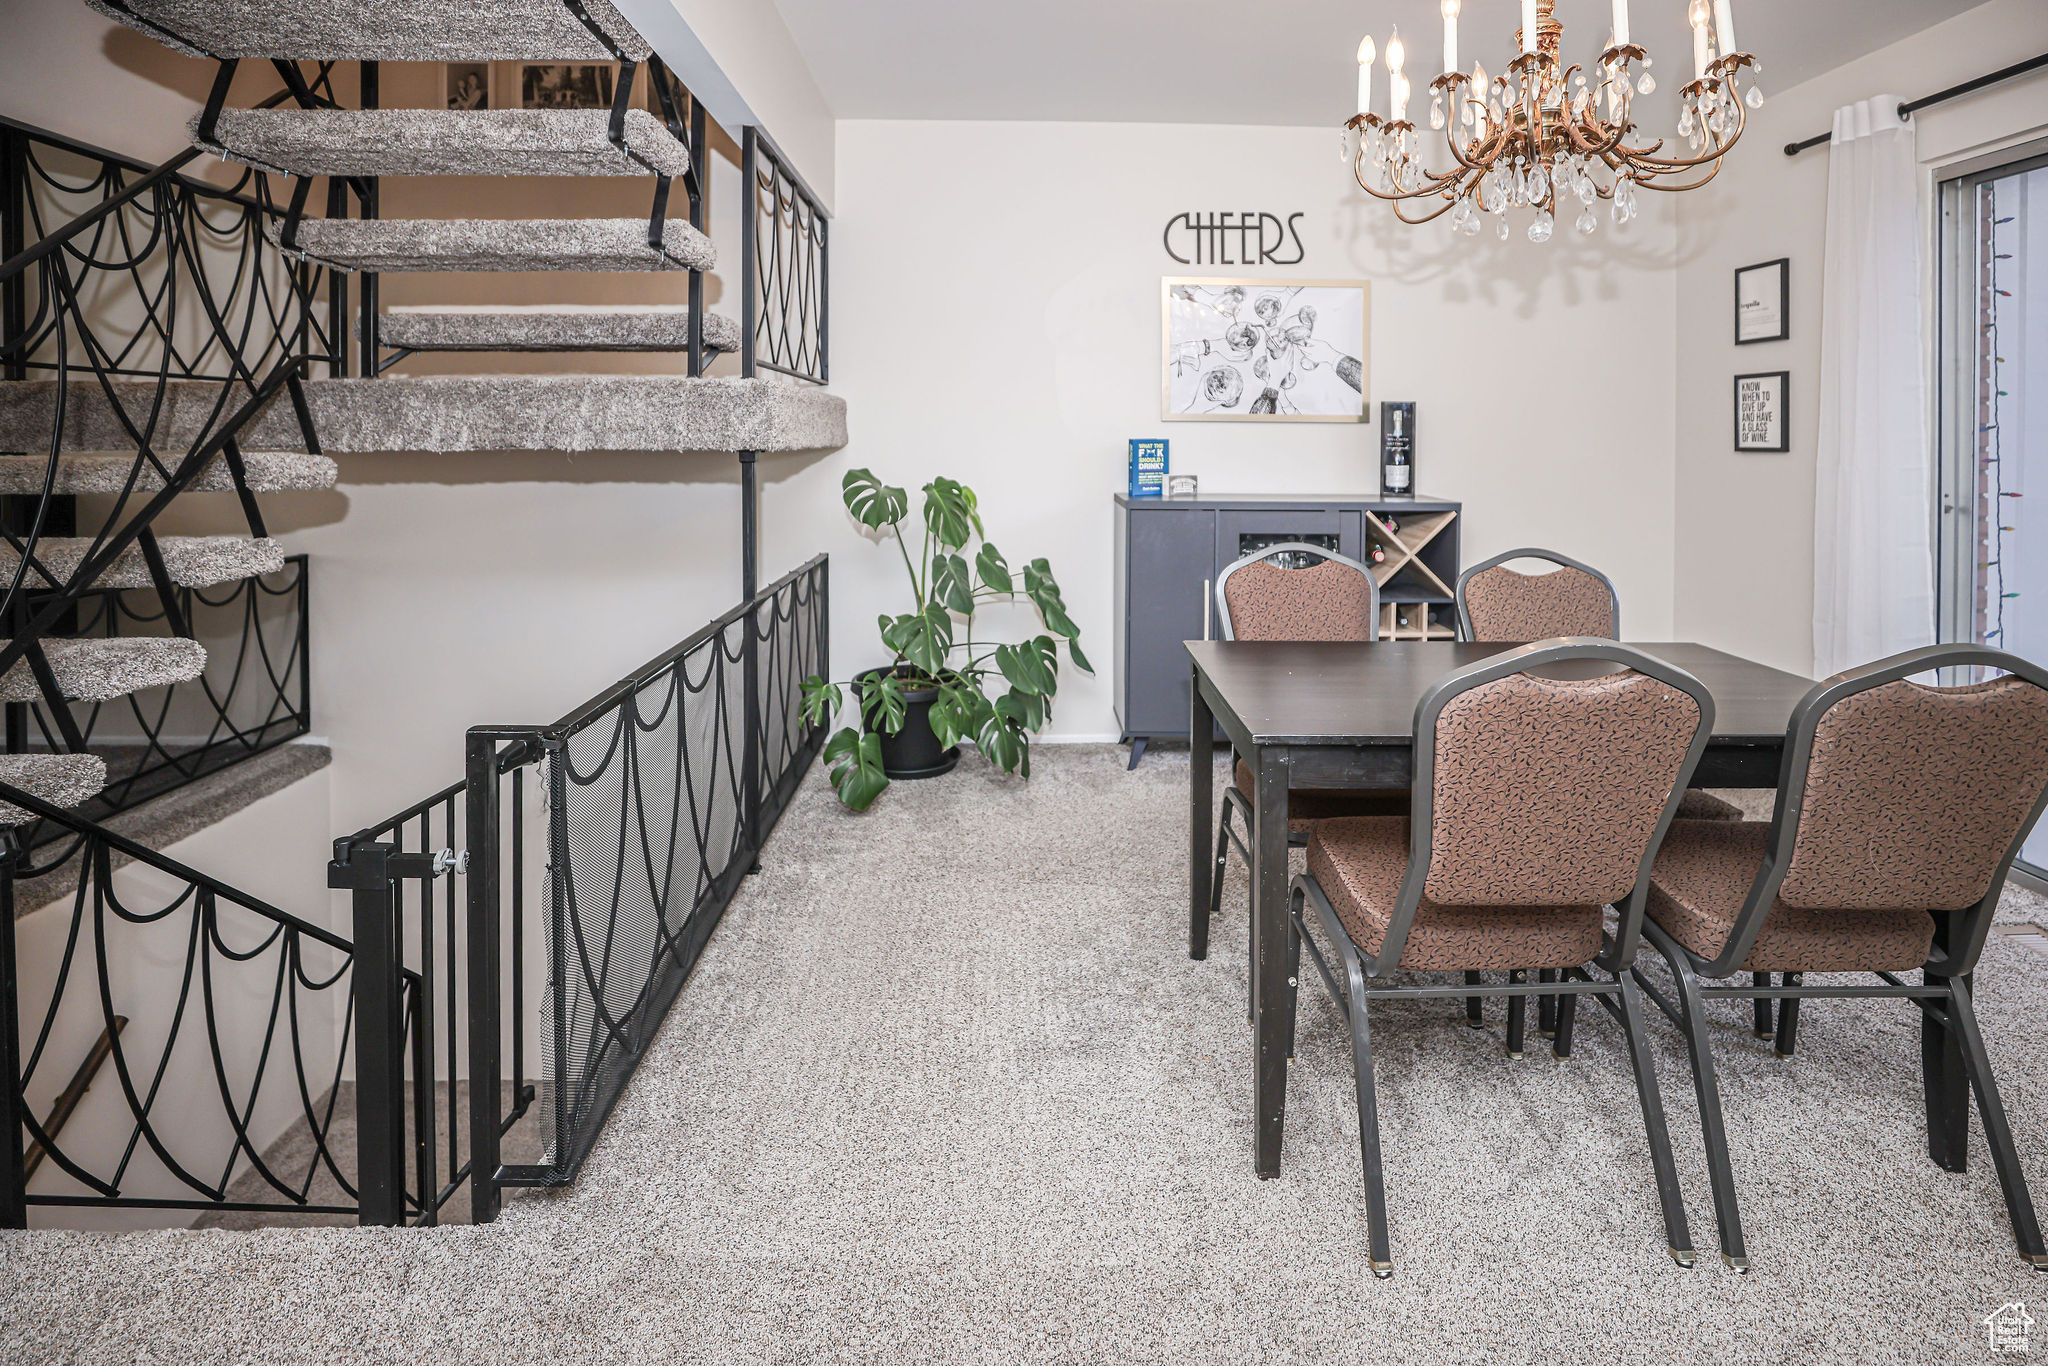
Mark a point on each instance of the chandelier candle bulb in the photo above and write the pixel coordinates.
(1367, 54)
(1620, 38)
(1702, 55)
(1451, 8)
(1724, 26)
(1529, 34)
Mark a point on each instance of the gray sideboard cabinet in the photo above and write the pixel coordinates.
(1170, 550)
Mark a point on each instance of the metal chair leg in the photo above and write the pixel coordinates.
(1713, 1130)
(1997, 1133)
(1764, 1028)
(1946, 1079)
(1546, 1007)
(1379, 1251)
(1472, 1013)
(1678, 1235)
(1518, 1012)
(1567, 1011)
(1788, 1018)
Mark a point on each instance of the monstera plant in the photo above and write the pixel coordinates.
(944, 684)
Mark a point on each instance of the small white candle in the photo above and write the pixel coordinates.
(1620, 24)
(1368, 52)
(1450, 8)
(1701, 53)
(1528, 25)
(1399, 88)
(1475, 104)
(1724, 25)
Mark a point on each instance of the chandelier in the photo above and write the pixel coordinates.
(1544, 135)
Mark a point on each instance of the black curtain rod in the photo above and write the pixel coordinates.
(1906, 111)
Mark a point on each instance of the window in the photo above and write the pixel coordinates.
(1994, 414)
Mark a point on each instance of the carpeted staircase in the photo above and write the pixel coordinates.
(441, 413)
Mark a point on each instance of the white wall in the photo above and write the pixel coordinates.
(995, 318)
(1745, 522)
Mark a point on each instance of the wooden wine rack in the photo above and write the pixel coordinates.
(1416, 600)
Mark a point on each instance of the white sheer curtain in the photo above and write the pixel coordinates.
(1873, 570)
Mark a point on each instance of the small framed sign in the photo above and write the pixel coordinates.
(1763, 302)
(1761, 416)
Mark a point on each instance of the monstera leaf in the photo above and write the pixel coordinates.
(923, 638)
(1031, 667)
(956, 712)
(882, 705)
(994, 570)
(950, 513)
(952, 583)
(822, 700)
(856, 760)
(873, 503)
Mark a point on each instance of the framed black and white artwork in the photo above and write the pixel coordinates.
(466, 85)
(1761, 418)
(1763, 302)
(1264, 350)
(566, 85)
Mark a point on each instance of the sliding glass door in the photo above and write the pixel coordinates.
(1994, 413)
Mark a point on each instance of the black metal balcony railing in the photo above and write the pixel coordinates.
(646, 808)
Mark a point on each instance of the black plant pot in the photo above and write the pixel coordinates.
(913, 752)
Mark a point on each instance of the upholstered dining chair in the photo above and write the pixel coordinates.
(1573, 599)
(1538, 801)
(1258, 597)
(1900, 809)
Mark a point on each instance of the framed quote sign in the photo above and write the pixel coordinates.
(1760, 412)
(1763, 303)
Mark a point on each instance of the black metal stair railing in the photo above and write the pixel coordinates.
(228, 1023)
(623, 831)
(163, 321)
(255, 694)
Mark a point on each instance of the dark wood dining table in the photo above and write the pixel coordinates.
(1332, 716)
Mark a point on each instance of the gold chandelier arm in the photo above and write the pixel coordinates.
(1436, 186)
(1448, 204)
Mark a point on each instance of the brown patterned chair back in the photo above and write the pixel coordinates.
(1331, 600)
(1547, 792)
(1503, 604)
(1914, 794)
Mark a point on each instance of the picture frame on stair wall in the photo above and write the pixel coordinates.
(566, 85)
(467, 85)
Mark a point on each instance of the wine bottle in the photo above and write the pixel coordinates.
(1391, 523)
(1376, 552)
(1397, 450)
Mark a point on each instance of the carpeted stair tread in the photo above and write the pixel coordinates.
(627, 328)
(404, 142)
(99, 669)
(268, 471)
(192, 561)
(409, 244)
(467, 413)
(379, 31)
(59, 779)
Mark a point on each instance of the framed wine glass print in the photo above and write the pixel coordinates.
(1763, 302)
(1264, 350)
(1761, 420)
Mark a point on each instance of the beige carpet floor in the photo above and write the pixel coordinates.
(948, 1088)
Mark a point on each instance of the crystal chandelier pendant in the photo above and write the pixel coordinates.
(1503, 229)
(1540, 228)
(1436, 111)
(1588, 222)
(1756, 98)
(1647, 85)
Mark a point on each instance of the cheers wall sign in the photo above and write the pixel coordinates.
(1234, 239)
